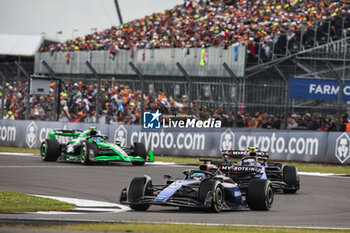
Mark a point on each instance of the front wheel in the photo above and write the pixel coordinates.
(139, 150)
(260, 195)
(217, 190)
(139, 187)
(290, 177)
(86, 151)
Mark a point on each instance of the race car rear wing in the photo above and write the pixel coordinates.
(64, 132)
(244, 153)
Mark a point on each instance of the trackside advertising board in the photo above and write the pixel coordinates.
(330, 147)
(317, 89)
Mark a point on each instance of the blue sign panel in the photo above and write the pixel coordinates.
(151, 120)
(317, 89)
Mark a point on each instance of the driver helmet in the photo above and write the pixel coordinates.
(197, 176)
(252, 153)
(92, 131)
(249, 162)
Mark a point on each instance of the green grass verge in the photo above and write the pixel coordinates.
(321, 167)
(21, 202)
(172, 228)
(302, 166)
(19, 150)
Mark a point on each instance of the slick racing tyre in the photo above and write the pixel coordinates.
(139, 150)
(86, 151)
(50, 150)
(138, 188)
(214, 186)
(290, 177)
(260, 195)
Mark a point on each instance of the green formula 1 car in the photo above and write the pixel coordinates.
(90, 146)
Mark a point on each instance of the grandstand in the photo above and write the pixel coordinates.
(264, 43)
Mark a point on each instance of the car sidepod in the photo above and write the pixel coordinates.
(110, 152)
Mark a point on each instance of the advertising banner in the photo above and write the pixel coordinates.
(309, 146)
(317, 89)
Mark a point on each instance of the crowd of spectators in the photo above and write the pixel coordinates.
(120, 105)
(196, 23)
(204, 23)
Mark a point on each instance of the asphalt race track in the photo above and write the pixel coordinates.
(321, 202)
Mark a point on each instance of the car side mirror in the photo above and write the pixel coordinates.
(167, 177)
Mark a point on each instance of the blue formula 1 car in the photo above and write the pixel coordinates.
(207, 189)
(253, 164)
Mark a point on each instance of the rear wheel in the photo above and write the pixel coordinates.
(290, 177)
(217, 189)
(260, 195)
(139, 187)
(50, 150)
(139, 150)
(86, 150)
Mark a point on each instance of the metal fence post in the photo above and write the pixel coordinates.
(131, 64)
(57, 101)
(285, 96)
(287, 42)
(315, 33)
(118, 11)
(329, 31)
(236, 81)
(93, 71)
(301, 39)
(340, 92)
(28, 88)
(3, 94)
(342, 27)
(189, 100)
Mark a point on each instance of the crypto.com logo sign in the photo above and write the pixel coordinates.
(31, 133)
(227, 140)
(121, 135)
(342, 147)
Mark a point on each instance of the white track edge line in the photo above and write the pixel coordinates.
(240, 225)
(196, 224)
(20, 154)
(182, 165)
(84, 203)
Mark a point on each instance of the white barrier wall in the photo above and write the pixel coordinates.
(313, 146)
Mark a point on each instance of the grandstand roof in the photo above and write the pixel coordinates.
(20, 45)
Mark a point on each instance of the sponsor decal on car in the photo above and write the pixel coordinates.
(243, 169)
(225, 168)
